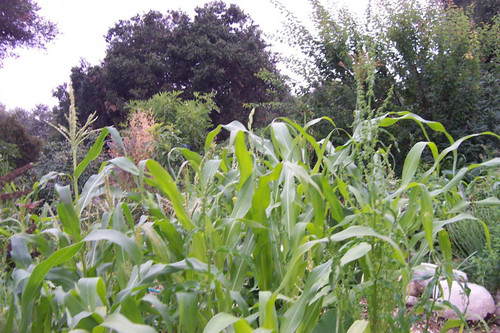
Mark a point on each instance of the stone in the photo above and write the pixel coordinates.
(480, 303)
(411, 300)
(422, 274)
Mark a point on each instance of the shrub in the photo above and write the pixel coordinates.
(190, 118)
(13, 133)
(138, 137)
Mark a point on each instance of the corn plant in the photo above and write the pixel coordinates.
(274, 232)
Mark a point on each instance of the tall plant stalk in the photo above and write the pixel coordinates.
(75, 135)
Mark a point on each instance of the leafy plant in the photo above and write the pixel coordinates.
(272, 232)
(191, 118)
(479, 250)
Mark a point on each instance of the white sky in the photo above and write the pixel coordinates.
(30, 78)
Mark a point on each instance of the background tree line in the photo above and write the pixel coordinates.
(436, 59)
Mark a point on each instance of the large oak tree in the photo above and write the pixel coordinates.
(218, 51)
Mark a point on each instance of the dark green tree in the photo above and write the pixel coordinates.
(481, 11)
(219, 51)
(14, 133)
(432, 59)
(20, 25)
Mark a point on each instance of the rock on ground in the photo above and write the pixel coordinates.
(479, 303)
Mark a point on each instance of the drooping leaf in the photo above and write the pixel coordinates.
(355, 252)
(32, 288)
(119, 239)
(121, 324)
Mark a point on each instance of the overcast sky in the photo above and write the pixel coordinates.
(30, 78)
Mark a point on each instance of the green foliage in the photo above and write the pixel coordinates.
(191, 118)
(8, 153)
(218, 51)
(267, 232)
(480, 251)
(14, 134)
(56, 158)
(22, 26)
(436, 62)
(482, 11)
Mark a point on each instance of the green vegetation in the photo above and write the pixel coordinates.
(22, 26)
(265, 231)
(311, 223)
(435, 60)
(218, 51)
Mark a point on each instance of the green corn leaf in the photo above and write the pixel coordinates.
(67, 213)
(20, 253)
(412, 162)
(240, 264)
(243, 156)
(32, 287)
(92, 154)
(491, 201)
(86, 321)
(192, 157)
(121, 324)
(334, 202)
(262, 197)
(355, 252)
(360, 326)
(159, 246)
(294, 316)
(119, 239)
(311, 141)
(427, 212)
(243, 201)
(208, 172)
(126, 164)
(130, 309)
(92, 188)
(92, 292)
(118, 139)
(288, 202)
(158, 306)
(210, 137)
(311, 316)
(445, 246)
(119, 219)
(222, 321)
(165, 183)
(242, 326)
(284, 142)
(188, 310)
(436, 126)
(267, 311)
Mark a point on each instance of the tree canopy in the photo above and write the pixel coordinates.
(219, 51)
(21, 25)
(427, 58)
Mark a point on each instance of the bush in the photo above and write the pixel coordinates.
(13, 133)
(190, 118)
